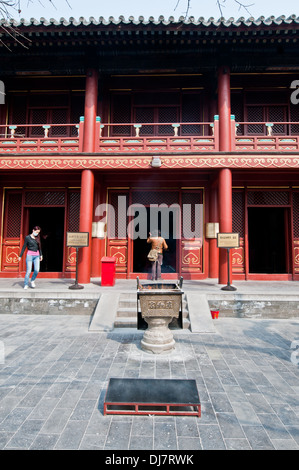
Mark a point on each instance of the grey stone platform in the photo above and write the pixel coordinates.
(52, 296)
(54, 375)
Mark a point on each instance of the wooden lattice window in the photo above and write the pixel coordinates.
(294, 115)
(192, 198)
(121, 113)
(237, 109)
(74, 212)
(117, 218)
(266, 107)
(296, 214)
(13, 215)
(238, 213)
(157, 114)
(46, 109)
(191, 111)
(45, 198)
(157, 108)
(268, 198)
(155, 197)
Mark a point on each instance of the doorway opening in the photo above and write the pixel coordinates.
(267, 234)
(51, 221)
(141, 248)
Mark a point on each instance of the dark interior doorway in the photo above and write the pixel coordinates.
(267, 240)
(51, 221)
(141, 248)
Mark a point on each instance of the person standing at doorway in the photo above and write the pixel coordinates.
(158, 243)
(34, 255)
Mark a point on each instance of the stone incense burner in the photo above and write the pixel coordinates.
(159, 303)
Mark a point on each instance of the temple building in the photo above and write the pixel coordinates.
(177, 114)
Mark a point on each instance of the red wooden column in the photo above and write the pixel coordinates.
(224, 109)
(90, 111)
(87, 177)
(225, 175)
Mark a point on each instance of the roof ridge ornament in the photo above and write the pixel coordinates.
(92, 20)
(64, 22)
(83, 21)
(52, 21)
(211, 21)
(102, 20)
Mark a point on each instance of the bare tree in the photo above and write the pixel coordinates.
(221, 4)
(8, 9)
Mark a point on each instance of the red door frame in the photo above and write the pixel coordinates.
(128, 273)
(289, 237)
(26, 229)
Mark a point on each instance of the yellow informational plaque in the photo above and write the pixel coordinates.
(228, 240)
(77, 239)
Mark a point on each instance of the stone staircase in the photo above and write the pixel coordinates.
(126, 315)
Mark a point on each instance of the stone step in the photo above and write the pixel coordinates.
(126, 314)
(131, 322)
(123, 312)
(125, 322)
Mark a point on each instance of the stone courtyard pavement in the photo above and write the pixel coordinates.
(54, 375)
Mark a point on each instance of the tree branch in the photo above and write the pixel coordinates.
(220, 4)
(7, 9)
(10, 7)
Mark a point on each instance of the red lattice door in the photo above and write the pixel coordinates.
(238, 254)
(73, 213)
(12, 231)
(192, 223)
(296, 232)
(117, 222)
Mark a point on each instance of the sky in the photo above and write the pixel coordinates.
(199, 8)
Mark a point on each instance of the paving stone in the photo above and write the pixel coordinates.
(258, 438)
(55, 376)
(211, 437)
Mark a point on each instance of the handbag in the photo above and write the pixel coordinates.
(153, 254)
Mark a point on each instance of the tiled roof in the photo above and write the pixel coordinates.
(270, 21)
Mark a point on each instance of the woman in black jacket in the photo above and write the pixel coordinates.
(34, 255)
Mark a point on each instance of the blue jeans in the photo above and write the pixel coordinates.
(35, 259)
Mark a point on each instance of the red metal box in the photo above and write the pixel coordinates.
(108, 271)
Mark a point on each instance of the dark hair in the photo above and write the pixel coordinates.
(36, 227)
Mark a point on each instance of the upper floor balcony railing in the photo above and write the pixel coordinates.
(150, 137)
(265, 136)
(41, 138)
(157, 137)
